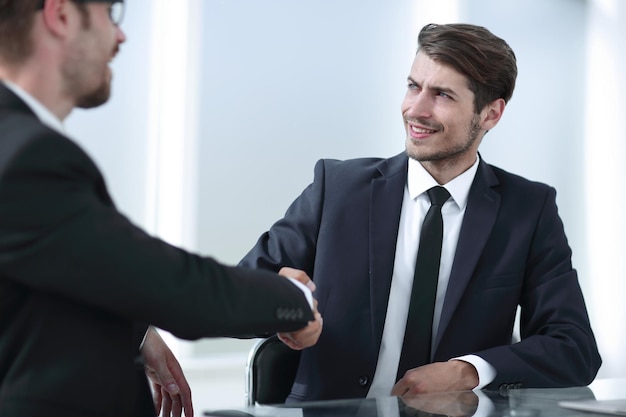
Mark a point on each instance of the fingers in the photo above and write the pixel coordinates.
(400, 388)
(172, 394)
(448, 376)
(305, 337)
(177, 406)
(171, 405)
(177, 389)
(185, 399)
(286, 339)
(157, 397)
(309, 335)
(166, 405)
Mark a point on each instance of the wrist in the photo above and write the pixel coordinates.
(467, 374)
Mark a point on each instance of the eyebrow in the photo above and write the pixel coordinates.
(446, 90)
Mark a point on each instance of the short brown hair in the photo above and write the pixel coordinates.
(16, 22)
(486, 60)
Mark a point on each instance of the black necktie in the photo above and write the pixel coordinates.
(418, 333)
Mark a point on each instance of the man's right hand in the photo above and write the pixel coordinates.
(309, 335)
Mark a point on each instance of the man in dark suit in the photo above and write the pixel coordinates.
(79, 283)
(355, 231)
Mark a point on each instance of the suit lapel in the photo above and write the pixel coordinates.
(480, 215)
(386, 194)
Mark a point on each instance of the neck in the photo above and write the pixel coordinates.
(42, 91)
(446, 170)
(41, 79)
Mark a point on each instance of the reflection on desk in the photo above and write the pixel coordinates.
(524, 402)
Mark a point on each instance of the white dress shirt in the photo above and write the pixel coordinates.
(415, 204)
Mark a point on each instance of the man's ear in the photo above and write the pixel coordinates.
(491, 114)
(56, 16)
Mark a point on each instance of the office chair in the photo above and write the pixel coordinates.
(270, 371)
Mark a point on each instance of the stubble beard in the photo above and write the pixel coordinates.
(449, 154)
(96, 97)
(79, 72)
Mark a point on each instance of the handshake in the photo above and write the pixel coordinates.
(307, 336)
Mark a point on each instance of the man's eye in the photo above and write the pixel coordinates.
(442, 94)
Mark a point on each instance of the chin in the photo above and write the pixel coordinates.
(421, 155)
(95, 98)
(413, 150)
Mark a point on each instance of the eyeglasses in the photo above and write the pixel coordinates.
(116, 8)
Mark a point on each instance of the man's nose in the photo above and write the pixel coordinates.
(420, 105)
(121, 36)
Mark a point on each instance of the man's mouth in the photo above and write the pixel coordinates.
(422, 130)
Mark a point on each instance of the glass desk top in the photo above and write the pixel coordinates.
(524, 402)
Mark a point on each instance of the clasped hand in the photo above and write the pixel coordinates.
(309, 335)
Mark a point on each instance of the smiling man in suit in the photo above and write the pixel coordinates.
(356, 231)
(80, 285)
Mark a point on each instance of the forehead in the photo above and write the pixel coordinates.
(429, 73)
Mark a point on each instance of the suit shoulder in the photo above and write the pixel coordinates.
(364, 164)
(25, 137)
(507, 179)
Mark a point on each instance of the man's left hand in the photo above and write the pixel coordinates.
(172, 393)
(454, 375)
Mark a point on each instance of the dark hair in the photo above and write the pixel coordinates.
(16, 21)
(486, 60)
(16, 24)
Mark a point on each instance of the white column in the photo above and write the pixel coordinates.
(172, 127)
(605, 174)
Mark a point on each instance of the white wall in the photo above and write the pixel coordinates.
(116, 134)
(280, 84)
(285, 83)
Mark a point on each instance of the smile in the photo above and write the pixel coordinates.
(422, 130)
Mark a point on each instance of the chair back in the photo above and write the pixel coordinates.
(270, 371)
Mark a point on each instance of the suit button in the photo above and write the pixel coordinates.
(289, 314)
(363, 381)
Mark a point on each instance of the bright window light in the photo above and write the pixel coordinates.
(172, 129)
(605, 154)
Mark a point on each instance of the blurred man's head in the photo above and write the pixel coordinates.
(77, 38)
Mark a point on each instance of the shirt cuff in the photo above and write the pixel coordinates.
(304, 289)
(486, 372)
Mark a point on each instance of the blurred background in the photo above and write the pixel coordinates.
(220, 109)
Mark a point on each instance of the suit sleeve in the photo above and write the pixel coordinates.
(554, 324)
(59, 233)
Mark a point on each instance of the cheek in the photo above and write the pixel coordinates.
(406, 104)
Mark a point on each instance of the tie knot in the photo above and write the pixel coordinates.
(438, 195)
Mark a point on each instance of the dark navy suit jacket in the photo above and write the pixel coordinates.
(512, 251)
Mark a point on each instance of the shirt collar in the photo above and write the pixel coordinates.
(419, 181)
(44, 115)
